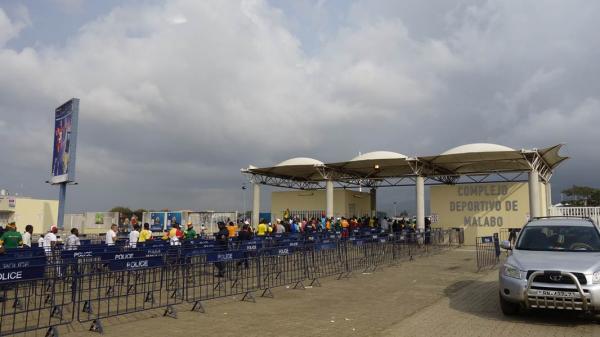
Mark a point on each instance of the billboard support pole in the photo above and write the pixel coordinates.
(62, 196)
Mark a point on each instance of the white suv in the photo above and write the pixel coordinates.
(555, 264)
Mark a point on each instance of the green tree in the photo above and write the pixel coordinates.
(124, 212)
(583, 195)
(139, 213)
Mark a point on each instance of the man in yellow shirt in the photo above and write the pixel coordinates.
(261, 230)
(145, 234)
(232, 229)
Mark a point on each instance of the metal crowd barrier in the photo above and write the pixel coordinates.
(47, 289)
(33, 294)
(487, 250)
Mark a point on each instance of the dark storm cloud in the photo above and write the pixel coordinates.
(177, 97)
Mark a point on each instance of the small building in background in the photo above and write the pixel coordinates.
(39, 213)
(91, 222)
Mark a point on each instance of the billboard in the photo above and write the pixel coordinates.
(157, 221)
(65, 142)
(173, 218)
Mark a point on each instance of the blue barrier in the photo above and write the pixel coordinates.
(25, 273)
(126, 255)
(22, 263)
(135, 263)
(224, 256)
(22, 253)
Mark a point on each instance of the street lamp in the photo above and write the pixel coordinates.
(244, 200)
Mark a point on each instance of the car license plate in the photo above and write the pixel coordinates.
(556, 293)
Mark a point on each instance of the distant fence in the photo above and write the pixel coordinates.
(589, 212)
(45, 289)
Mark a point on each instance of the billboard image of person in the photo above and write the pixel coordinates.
(65, 140)
(173, 218)
(158, 220)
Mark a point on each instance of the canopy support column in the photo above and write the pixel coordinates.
(329, 209)
(255, 203)
(534, 194)
(373, 202)
(420, 187)
(548, 195)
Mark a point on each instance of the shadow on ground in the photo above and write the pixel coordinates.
(480, 298)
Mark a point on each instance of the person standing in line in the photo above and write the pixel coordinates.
(145, 234)
(40, 241)
(73, 240)
(231, 229)
(50, 240)
(11, 238)
(222, 241)
(245, 235)
(175, 235)
(261, 230)
(111, 235)
(190, 233)
(280, 229)
(345, 228)
(27, 236)
(134, 236)
(385, 226)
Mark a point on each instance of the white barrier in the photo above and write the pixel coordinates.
(590, 212)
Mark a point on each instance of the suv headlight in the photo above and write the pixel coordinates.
(596, 278)
(511, 271)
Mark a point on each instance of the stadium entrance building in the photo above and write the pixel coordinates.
(478, 187)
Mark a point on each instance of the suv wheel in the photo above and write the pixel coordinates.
(508, 308)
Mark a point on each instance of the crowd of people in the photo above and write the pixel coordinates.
(10, 238)
(331, 224)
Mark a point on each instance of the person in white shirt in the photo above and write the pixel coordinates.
(41, 241)
(50, 239)
(73, 240)
(111, 235)
(279, 229)
(385, 225)
(27, 235)
(134, 236)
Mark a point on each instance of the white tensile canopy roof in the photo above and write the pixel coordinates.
(379, 167)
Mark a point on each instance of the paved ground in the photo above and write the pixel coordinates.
(439, 295)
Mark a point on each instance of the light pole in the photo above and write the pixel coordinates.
(395, 203)
(244, 200)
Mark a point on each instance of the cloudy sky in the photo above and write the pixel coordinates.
(177, 96)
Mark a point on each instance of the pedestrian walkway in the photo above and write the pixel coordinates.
(439, 295)
(473, 310)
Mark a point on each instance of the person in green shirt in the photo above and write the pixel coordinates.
(190, 233)
(11, 238)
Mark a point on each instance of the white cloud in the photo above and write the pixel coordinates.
(178, 19)
(10, 29)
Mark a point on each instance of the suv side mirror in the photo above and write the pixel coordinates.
(505, 244)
